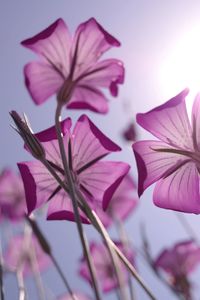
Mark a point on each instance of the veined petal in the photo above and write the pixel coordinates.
(169, 122)
(102, 179)
(153, 164)
(42, 81)
(39, 184)
(196, 122)
(89, 144)
(90, 42)
(50, 133)
(180, 190)
(79, 296)
(61, 209)
(107, 73)
(53, 44)
(122, 203)
(88, 97)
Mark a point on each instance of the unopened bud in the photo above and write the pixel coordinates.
(30, 140)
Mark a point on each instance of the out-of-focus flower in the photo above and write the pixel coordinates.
(104, 267)
(97, 180)
(175, 160)
(179, 262)
(122, 204)
(12, 196)
(70, 68)
(129, 133)
(79, 296)
(24, 254)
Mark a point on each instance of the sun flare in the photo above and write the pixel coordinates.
(181, 66)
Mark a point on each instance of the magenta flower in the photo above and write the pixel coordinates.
(97, 180)
(12, 196)
(69, 66)
(174, 161)
(104, 267)
(24, 254)
(79, 296)
(178, 262)
(122, 204)
(129, 133)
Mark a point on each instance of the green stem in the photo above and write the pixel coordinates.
(74, 202)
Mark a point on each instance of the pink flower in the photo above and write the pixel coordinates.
(122, 204)
(104, 266)
(79, 296)
(12, 196)
(69, 66)
(174, 161)
(179, 262)
(24, 253)
(129, 133)
(97, 180)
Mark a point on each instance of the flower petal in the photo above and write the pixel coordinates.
(196, 122)
(53, 44)
(90, 42)
(38, 184)
(169, 122)
(88, 97)
(122, 203)
(102, 179)
(180, 190)
(153, 164)
(50, 133)
(107, 73)
(61, 209)
(42, 81)
(89, 144)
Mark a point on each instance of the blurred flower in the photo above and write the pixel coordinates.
(79, 296)
(24, 254)
(12, 196)
(179, 262)
(122, 204)
(84, 148)
(104, 266)
(175, 160)
(69, 66)
(129, 133)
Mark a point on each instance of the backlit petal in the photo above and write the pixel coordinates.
(153, 165)
(102, 179)
(180, 190)
(89, 144)
(169, 122)
(90, 42)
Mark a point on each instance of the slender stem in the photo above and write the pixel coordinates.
(114, 260)
(101, 229)
(45, 246)
(22, 291)
(125, 241)
(74, 202)
(187, 227)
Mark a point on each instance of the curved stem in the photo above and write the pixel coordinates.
(74, 201)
